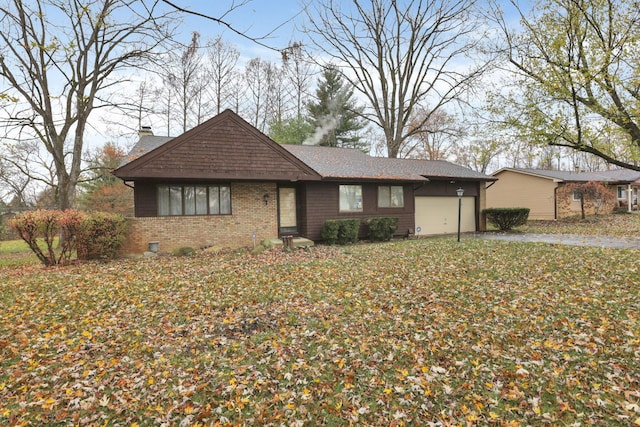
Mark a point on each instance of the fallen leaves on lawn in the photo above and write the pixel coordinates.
(426, 332)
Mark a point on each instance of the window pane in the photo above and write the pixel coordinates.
(163, 200)
(201, 200)
(351, 198)
(175, 200)
(214, 200)
(225, 199)
(189, 200)
(384, 196)
(397, 196)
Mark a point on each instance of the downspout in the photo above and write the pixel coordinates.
(629, 197)
(555, 202)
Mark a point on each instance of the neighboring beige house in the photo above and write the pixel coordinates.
(537, 190)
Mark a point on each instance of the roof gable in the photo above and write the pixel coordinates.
(224, 147)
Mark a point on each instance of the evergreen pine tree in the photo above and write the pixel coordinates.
(335, 115)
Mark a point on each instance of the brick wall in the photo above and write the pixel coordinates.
(249, 215)
(568, 207)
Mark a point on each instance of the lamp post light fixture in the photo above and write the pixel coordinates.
(459, 192)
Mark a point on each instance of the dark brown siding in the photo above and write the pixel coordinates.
(145, 195)
(320, 202)
(447, 188)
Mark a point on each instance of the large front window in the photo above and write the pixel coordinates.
(194, 200)
(351, 198)
(390, 196)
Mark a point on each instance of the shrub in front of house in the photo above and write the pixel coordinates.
(340, 231)
(381, 229)
(329, 231)
(505, 219)
(100, 235)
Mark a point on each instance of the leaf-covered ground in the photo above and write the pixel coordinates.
(612, 225)
(421, 332)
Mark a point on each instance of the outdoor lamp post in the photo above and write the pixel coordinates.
(460, 192)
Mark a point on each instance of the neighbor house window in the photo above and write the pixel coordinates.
(390, 196)
(576, 196)
(622, 192)
(351, 198)
(194, 200)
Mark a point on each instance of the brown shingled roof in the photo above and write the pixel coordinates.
(347, 163)
(611, 176)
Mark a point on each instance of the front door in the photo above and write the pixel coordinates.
(288, 218)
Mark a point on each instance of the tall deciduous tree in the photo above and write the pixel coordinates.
(60, 58)
(577, 77)
(435, 138)
(336, 117)
(186, 80)
(400, 55)
(223, 59)
(262, 78)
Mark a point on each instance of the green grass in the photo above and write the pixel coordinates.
(15, 253)
(472, 333)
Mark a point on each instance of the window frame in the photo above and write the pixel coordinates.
(575, 196)
(621, 192)
(390, 204)
(187, 199)
(343, 195)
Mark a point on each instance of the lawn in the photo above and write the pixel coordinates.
(613, 225)
(409, 332)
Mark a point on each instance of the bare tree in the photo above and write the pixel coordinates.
(60, 58)
(263, 83)
(400, 55)
(223, 60)
(435, 138)
(479, 154)
(185, 78)
(24, 171)
(299, 71)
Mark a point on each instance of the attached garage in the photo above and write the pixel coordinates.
(439, 215)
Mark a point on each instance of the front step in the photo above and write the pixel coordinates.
(297, 242)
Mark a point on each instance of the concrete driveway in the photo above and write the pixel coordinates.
(567, 239)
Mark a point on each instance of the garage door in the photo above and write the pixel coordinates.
(439, 215)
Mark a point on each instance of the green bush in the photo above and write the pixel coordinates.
(348, 231)
(340, 231)
(330, 231)
(100, 235)
(381, 229)
(506, 218)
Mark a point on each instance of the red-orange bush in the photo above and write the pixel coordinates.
(97, 235)
(46, 225)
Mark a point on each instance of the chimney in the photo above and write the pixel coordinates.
(145, 131)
